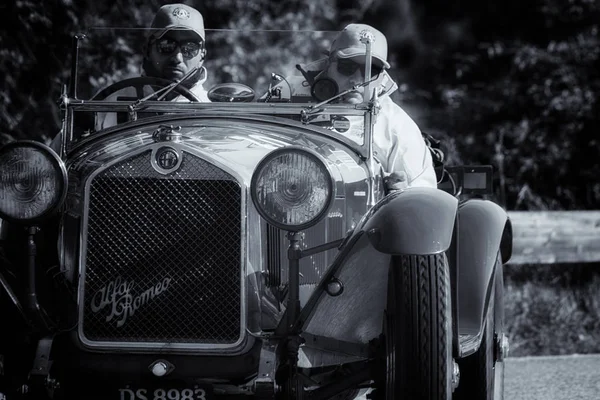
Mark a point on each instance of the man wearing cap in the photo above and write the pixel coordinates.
(176, 45)
(175, 49)
(398, 143)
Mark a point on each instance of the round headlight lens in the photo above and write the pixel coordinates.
(32, 181)
(292, 189)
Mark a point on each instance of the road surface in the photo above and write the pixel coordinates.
(573, 377)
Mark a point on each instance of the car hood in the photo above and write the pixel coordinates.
(237, 143)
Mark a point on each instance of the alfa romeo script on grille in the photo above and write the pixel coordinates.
(118, 296)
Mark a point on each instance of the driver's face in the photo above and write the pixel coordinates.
(175, 53)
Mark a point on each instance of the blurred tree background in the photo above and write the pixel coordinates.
(514, 84)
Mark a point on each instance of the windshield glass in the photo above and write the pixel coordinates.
(109, 55)
(263, 72)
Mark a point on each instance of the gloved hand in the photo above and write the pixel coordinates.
(396, 180)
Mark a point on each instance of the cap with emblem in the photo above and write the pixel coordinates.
(178, 16)
(348, 43)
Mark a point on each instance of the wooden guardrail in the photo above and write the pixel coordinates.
(549, 237)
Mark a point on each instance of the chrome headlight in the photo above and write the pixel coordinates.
(33, 181)
(292, 188)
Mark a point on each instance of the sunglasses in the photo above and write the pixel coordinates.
(189, 49)
(348, 67)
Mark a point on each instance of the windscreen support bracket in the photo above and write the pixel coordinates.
(77, 38)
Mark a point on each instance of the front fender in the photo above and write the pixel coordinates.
(481, 225)
(415, 221)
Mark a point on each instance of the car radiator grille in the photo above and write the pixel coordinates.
(162, 260)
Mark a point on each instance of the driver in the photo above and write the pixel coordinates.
(175, 49)
(398, 143)
(176, 46)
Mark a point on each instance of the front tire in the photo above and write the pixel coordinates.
(418, 329)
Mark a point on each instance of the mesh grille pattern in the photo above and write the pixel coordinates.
(163, 254)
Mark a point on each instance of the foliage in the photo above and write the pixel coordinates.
(552, 310)
(250, 55)
(539, 117)
(25, 105)
(535, 102)
(515, 84)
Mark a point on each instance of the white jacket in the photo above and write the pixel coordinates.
(398, 143)
(400, 147)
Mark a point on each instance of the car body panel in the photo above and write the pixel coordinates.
(355, 315)
(481, 226)
(413, 221)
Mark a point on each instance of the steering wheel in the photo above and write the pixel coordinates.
(138, 84)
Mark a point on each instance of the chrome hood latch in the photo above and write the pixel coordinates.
(167, 133)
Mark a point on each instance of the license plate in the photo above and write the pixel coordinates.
(165, 393)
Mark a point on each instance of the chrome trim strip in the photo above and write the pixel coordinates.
(502, 347)
(230, 108)
(268, 124)
(182, 147)
(469, 343)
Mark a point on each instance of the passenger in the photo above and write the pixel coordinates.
(398, 143)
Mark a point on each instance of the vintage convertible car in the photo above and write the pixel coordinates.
(245, 248)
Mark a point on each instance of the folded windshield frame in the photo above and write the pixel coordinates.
(256, 59)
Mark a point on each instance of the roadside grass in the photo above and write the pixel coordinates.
(552, 309)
